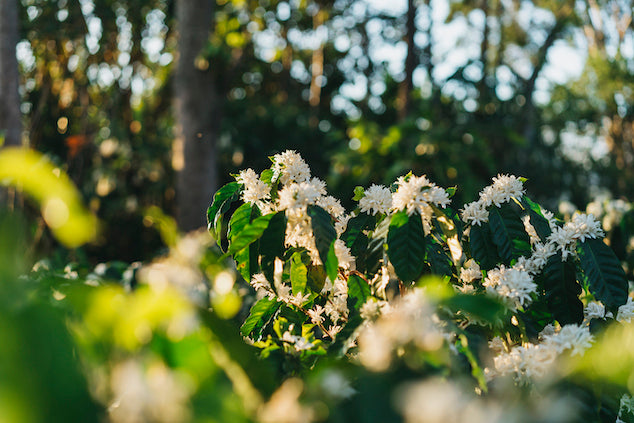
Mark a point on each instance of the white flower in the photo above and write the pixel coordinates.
(341, 223)
(510, 186)
(541, 254)
(289, 167)
(470, 272)
(298, 299)
(626, 311)
(490, 196)
(530, 230)
(475, 213)
(254, 190)
(514, 284)
(332, 206)
(565, 239)
(497, 344)
(344, 257)
(594, 310)
(570, 337)
(300, 195)
(377, 199)
(260, 284)
(370, 310)
(586, 226)
(415, 193)
(315, 314)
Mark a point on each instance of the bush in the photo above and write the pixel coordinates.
(405, 309)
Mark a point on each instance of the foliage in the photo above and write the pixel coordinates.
(472, 331)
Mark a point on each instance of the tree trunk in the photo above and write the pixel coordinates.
(411, 61)
(197, 108)
(10, 117)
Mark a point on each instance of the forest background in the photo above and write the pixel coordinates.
(156, 103)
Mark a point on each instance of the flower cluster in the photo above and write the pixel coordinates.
(377, 199)
(289, 167)
(298, 191)
(503, 189)
(530, 361)
(408, 320)
(581, 227)
(254, 191)
(416, 193)
(513, 284)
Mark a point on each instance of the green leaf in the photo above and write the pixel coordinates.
(476, 371)
(558, 282)
(606, 277)
(325, 236)
(340, 346)
(267, 176)
(221, 202)
(370, 260)
(272, 244)
(332, 263)
(406, 245)
(251, 233)
(479, 306)
(358, 289)
(359, 193)
(354, 237)
(508, 233)
(450, 231)
(537, 219)
(247, 261)
(260, 315)
(242, 217)
(316, 278)
(438, 260)
(298, 274)
(483, 249)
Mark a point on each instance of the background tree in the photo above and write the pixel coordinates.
(10, 116)
(198, 115)
(454, 89)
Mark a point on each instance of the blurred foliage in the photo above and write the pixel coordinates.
(315, 77)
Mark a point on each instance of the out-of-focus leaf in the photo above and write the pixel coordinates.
(58, 198)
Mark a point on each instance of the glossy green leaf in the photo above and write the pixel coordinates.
(558, 282)
(221, 202)
(438, 259)
(299, 275)
(259, 317)
(354, 237)
(325, 235)
(480, 307)
(406, 245)
(537, 219)
(247, 261)
(508, 233)
(483, 249)
(370, 260)
(606, 277)
(358, 289)
(250, 233)
(272, 244)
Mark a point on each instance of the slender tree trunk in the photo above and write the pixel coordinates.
(197, 108)
(10, 117)
(406, 88)
(317, 64)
